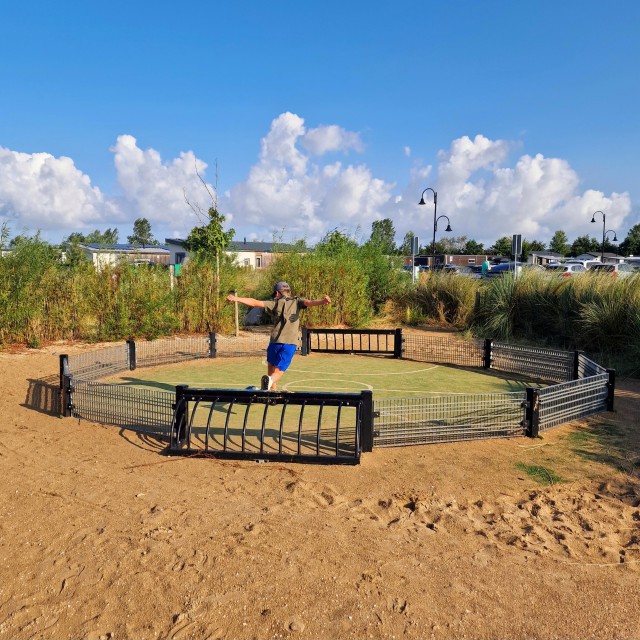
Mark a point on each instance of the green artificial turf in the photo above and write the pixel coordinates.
(386, 377)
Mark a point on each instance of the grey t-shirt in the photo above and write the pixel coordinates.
(286, 319)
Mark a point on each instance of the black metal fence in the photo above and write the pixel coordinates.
(444, 350)
(406, 421)
(302, 427)
(582, 387)
(363, 341)
(551, 365)
(145, 410)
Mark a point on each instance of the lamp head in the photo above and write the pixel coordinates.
(448, 228)
(593, 218)
(615, 238)
(422, 200)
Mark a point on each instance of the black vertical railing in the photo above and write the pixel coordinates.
(397, 344)
(532, 412)
(487, 354)
(213, 345)
(66, 388)
(178, 434)
(131, 353)
(611, 388)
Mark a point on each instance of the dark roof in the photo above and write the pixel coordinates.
(555, 254)
(126, 247)
(243, 245)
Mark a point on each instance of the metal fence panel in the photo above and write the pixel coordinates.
(587, 367)
(248, 344)
(407, 421)
(146, 410)
(170, 350)
(251, 424)
(352, 340)
(102, 363)
(572, 400)
(445, 350)
(545, 364)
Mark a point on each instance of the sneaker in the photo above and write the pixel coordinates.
(265, 383)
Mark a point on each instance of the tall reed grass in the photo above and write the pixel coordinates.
(593, 312)
(44, 299)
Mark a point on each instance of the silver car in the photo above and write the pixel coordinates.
(567, 269)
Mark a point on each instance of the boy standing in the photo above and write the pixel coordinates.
(284, 335)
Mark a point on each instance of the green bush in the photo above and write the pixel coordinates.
(43, 298)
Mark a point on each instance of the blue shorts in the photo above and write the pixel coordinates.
(280, 355)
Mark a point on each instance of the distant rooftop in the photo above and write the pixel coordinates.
(244, 245)
(126, 247)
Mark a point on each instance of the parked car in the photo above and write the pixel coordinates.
(566, 269)
(587, 264)
(503, 269)
(471, 271)
(617, 270)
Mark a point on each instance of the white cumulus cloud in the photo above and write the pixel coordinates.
(486, 199)
(41, 192)
(322, 140)
(287, 190)
(485, 192)
(156, 190)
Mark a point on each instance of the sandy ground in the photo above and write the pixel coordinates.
(101, 536)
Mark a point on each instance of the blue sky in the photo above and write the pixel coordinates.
(523, 116)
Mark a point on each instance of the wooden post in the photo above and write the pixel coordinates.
(235, 293)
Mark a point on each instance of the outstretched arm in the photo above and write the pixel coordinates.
(317, 303)
(250, 302)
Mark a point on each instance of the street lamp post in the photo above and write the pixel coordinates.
(615, 238)
(435, 222)
(604, 220)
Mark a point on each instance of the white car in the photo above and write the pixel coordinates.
(566, 269)
(617, 270)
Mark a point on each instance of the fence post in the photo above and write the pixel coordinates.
(576, 364)
(611, 388)
(397, 343)
(213, 345)
(178, 435)
(131, 346)
(366, 424)
(487, 356)
(65, 386)
(304, 347)
(532, 413)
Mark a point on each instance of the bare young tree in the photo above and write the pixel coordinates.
(208, 242)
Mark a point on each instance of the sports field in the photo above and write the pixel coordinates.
(310, 429)
(386, 377)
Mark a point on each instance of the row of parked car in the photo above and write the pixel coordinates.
(567, 268)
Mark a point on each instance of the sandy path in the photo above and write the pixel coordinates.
(102, 537)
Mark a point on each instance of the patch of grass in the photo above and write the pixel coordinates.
(580, 438)
(539, 474)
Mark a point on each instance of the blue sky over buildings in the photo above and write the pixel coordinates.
(523, 116)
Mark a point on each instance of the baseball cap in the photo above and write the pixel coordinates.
(279, 286)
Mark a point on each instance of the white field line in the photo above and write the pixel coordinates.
(337, 373)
